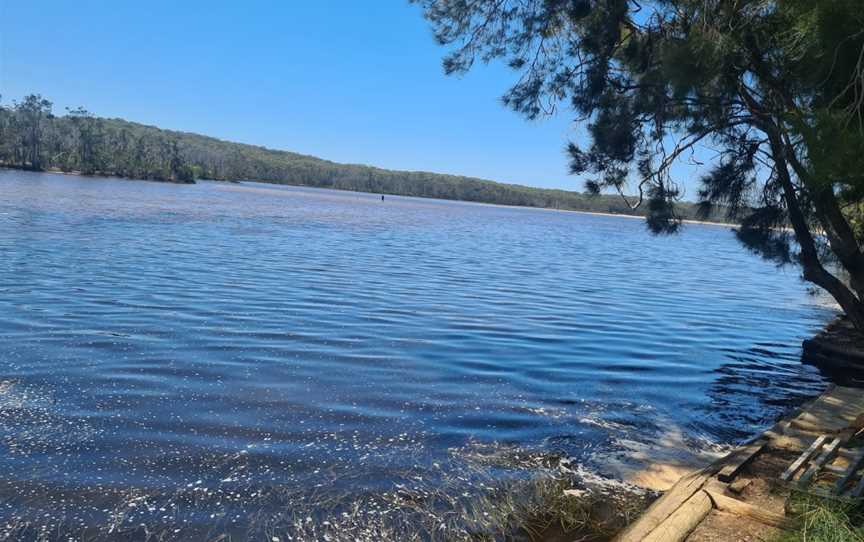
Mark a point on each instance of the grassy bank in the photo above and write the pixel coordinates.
(821, 519)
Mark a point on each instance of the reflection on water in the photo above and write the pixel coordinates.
(222, 358)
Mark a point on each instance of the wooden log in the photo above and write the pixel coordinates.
(739, 508)
(736, 461)
(854, 463)
(681, 523)
(664, 507)
(804, 457)
(715, 486)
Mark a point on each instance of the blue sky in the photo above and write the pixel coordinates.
(350, 81)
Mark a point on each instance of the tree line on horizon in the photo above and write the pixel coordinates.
(33, 137)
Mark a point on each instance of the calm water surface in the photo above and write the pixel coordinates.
(238, 358)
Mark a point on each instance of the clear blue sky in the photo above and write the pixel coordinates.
(351, 81)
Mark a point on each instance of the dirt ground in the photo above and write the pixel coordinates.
(757, 484)
(753, 503)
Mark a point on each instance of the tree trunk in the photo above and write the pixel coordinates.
(814, 271)
(837, 228)
(840, 235)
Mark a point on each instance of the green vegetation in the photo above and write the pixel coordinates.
(775, 90)
(32, 137)
(825, 520)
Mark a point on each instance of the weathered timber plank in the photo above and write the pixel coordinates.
(826, 454)
(834, 469)
(738, 486)
(738, 459)
(854, 463)
(778, 429)
(803, 458)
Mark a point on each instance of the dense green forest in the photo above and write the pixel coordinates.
(33, 137)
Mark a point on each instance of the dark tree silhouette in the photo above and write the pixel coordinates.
(776, 89)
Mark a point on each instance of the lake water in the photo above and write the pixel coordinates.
(256, 360)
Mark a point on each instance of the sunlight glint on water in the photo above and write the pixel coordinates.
(197, 358)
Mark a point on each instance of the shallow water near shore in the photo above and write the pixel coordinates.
(256, 360)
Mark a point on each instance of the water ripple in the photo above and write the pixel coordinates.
(192, 356)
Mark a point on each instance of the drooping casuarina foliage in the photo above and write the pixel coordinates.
(774, 88)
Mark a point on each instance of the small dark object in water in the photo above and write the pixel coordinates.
(382, 197)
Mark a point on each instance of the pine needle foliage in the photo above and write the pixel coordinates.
(767, 96)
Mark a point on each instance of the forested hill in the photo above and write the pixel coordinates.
(32, 137)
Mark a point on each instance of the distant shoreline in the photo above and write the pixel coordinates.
(233, 182)
(130, 149)
(104, 175)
